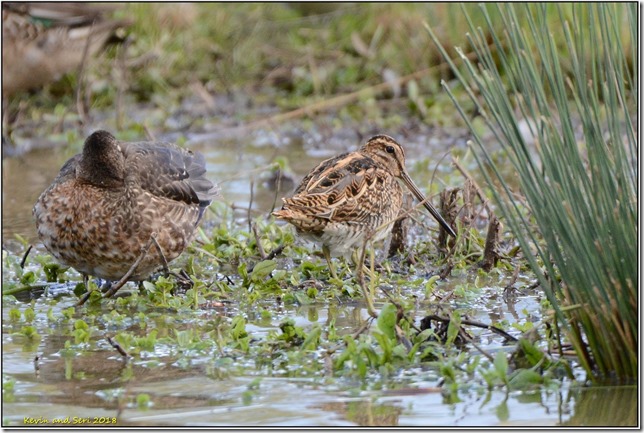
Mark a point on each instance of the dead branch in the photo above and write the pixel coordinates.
(449, 210)
(491, 251)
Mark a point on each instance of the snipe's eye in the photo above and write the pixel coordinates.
(389, 149)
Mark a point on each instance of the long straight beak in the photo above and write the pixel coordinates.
(432, 210)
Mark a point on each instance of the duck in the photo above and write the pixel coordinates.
(43, 41)
(114, 198)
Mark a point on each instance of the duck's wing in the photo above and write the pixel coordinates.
(166, 170)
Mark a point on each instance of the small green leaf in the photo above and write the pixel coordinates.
(80, 289)
(238, 328)
(312, 339)
(431, 283)
(525, 378)
(532, 354)
(312, 292)
(143, 401)
(28, 278)
(14, 315)
(386, 345)
(31, 333)
(247, 397)
(254, 384)
(387, 320)
(150, 287)
(263, 269)
(30, 315)
(53, 271)
(501, 365)
(453, 328)
(302, 298)
(68, 313)
(80, 324)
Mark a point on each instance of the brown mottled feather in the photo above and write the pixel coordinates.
(352, 197)
(107, 201)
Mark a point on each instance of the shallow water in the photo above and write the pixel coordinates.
(92, 387)
(98, 387)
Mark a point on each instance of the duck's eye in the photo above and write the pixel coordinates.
(389, 149)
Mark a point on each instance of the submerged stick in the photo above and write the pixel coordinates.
(494, 329)
(118, 347)
(25, 288)
(37, 366)
(470, 340)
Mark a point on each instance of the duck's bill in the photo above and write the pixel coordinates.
(432, 210)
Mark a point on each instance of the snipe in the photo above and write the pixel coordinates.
(352, 198)
(108, 202)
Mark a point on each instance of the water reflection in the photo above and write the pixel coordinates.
(365, 412)
(604, 406)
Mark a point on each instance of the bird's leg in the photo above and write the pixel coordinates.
(372, 270)
(327, 256)
(367, 293)
(356, 262)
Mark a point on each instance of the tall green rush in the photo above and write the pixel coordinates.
(567, 74)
